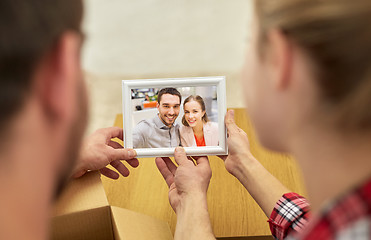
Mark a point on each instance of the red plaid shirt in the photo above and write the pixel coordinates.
(347, 218)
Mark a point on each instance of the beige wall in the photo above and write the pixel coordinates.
(129, 39)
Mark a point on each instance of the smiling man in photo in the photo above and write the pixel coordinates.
(160, 131)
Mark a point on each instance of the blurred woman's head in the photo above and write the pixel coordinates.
(194, 111)
(310, 64)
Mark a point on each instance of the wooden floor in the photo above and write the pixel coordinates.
(232, 210)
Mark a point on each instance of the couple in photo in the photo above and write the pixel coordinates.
(162, 131)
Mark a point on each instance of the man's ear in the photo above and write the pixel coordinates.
(157, 105)
(279, 57)
(58, 75)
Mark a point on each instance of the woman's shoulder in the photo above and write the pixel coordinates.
(211, 126)
(184, 129)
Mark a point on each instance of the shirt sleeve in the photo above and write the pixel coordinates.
(138, 136)
(290, 214)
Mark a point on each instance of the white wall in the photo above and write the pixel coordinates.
(165, 38)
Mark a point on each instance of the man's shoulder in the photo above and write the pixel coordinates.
(145, 122)
(144, 125)
(177, 126)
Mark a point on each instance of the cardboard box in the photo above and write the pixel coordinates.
(83, 212)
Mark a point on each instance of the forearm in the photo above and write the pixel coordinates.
(193, 221)
(261, 184)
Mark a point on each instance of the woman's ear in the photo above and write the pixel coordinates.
(279, 56)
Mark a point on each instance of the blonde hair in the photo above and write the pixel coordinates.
(200, 101)
(337, 37)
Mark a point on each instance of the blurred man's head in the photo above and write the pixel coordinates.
(41, 78)
(168, 105)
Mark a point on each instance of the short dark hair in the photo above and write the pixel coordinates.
(28, 30)
(172, 91)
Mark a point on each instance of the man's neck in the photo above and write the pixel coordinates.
(169, 126)
(24, 210)
(26, 183)
(332, 164)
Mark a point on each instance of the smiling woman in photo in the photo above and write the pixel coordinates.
(197, 130)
